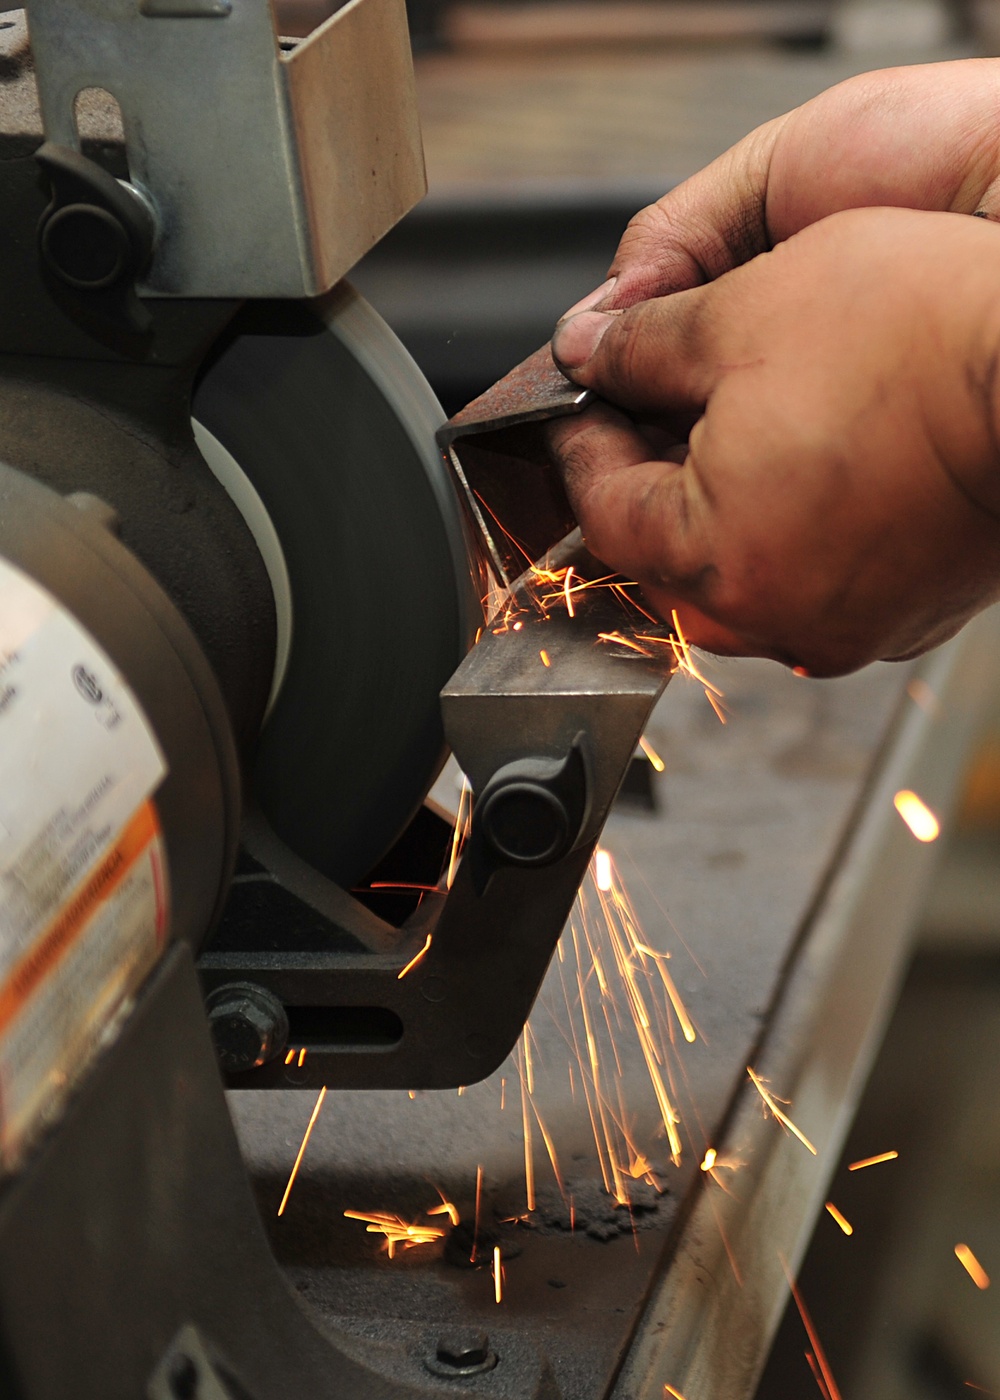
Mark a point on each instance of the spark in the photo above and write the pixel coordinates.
(816, 1372)
(873, 1161)
(651, 754)
(829, 1385)
(545, 657)
(475, 1222)
(981, 1389)
(302, 1057)
(603, 876)
(302, 1149)
(529, 1163)
(290, 1056)
(669, 1390)
(414, 960)
(923, 696)
(497, 1274)
(459, 831)
(708, 1161)
(446, 1208)
(687, 1028)
(845, 1225)
(972, 1266)
(720, 712)
(517, 626)
(396, 1230)
(567, 592)
(917, 815)
(782, 1118)
(619, 640)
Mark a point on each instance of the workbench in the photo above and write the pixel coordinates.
(778, 875)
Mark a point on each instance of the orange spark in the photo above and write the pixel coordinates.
(817, 1375)
(290, 1056)
(687, 1028)
(720, 712)
(619, 640)
(497, 1274)
(922, 695)
(396, 1230)
(545, 657)
(651, 754)
(669, 1390)
(603, 877)
(445, 1208)
(459, 832)
(414, 960)
(709, 1160)
(917, 815)
(529, 1162)
(845, 1225)
(567, 594)
(475, 1224)
(873, 1161)
(302, 1057)
(302, 1149)
(781, 1117)
(830, 1385)
(972, 1266)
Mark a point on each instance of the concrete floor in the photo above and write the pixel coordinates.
(898, 1316)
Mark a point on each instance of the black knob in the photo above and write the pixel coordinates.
(86, 246)
(249, 1025)
(532, 810)
(96, 236)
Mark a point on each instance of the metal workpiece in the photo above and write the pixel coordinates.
(552, 737)
(274, 165)
(513, 494)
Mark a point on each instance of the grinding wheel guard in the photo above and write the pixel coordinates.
(543, 716)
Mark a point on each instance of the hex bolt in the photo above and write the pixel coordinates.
(462, 1353)
(249, 1025)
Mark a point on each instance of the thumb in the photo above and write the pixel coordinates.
(657, 357)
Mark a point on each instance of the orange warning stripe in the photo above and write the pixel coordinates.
(40, 959)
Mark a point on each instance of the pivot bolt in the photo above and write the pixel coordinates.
(249, 1025)
(461, 1353)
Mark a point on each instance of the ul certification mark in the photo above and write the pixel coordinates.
(90, 688)
(86, 683)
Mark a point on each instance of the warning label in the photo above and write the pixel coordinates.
(83, 890)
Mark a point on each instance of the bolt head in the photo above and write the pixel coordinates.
(461, 1349)
(248, 1024)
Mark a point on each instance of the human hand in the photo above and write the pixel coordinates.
(839, 497)
(923, 137)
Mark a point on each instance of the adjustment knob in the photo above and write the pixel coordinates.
(532, 810)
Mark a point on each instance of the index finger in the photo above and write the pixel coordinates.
(643, 517)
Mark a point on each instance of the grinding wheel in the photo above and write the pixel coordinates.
(322, 411)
